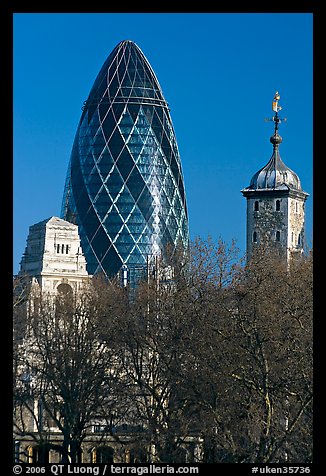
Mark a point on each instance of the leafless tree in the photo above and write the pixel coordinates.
(69, 370)
(254, 362)
(211, 352)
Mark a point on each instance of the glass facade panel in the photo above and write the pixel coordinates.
(124, 185)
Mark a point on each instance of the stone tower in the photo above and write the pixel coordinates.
(275, 203)
(53, 256)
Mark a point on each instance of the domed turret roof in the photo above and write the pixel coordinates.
(275, 174)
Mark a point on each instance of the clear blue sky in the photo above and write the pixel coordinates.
(218, 72)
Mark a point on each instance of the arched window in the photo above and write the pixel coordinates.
(255, 237)
(278, 205)
(104, 454)
(299, 239)
(256, 206)
(137, 455)
(64, 289)
(181, 455)
(278, 235)
(38, 454)
(29, 454)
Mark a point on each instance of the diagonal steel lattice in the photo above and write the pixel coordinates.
(124, 185)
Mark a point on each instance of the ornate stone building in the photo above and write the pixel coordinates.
(53, 256)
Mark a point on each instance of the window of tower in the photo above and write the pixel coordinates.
(255, 237)
(256, 206)
(278, 235)
(278, 205)
(299, 239)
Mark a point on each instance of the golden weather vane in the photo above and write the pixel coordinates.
(276, 108)
(275, 105)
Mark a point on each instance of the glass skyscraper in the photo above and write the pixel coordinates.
(124, 185)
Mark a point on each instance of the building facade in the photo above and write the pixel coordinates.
(275, 203)
(124, 185)
(53, 257)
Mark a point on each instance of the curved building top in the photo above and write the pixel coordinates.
(125, 77)
(275, 175)
(124, 185)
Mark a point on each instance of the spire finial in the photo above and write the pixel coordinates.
(276, 138)
(276, 108)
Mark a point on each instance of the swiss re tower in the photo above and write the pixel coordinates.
(124, 186)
